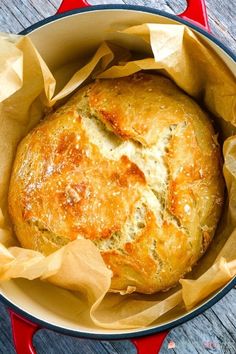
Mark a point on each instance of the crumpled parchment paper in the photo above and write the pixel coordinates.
(27, 90)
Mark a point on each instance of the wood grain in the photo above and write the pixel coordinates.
(215, 330)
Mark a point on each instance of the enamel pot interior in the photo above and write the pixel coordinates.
(65, 42)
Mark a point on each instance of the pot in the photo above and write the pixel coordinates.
(60, 39)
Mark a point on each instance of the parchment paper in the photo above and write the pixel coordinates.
(27, 90)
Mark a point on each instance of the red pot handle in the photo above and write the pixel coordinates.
(68, 5)
(195, 12)
(23, 331)
(151, 344)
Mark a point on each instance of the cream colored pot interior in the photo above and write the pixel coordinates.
(62, 42)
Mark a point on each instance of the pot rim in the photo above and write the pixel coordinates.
(202, 307)
(131, 8)
(129, 335)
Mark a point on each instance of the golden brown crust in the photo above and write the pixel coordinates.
(151, 224)
(132, 106)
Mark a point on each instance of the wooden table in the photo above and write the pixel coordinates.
(215, 330)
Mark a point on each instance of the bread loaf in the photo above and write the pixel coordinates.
(132, 164)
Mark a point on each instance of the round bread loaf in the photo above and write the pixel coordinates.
(132, 164)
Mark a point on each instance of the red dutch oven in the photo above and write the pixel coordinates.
(76, 30)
